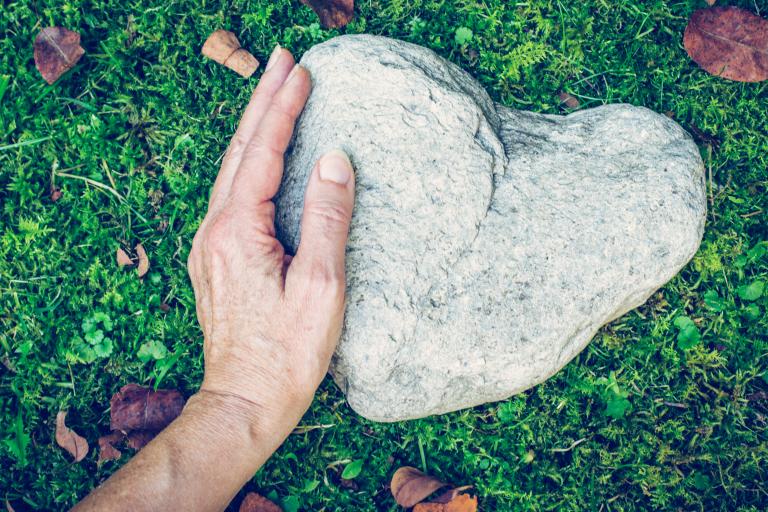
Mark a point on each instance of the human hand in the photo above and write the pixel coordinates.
(270, 321)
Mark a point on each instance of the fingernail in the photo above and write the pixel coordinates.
(292, 73)
(274, 57)
(335, 167)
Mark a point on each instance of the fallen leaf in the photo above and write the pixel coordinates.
(56, 50)
(143, 267)
(107, 450)
(461, 503)
(122, 258)
(135, 407)
(710, 2)
(332, 13)
(451, 494)
(55, 194)
(409, 486)
(568, 100)
(70, 440)
(223, 47)
(704, 137)
(257, 503)
(729, 42)
(138, 439)
(349, 484)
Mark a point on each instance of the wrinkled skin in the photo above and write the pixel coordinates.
(270, 321)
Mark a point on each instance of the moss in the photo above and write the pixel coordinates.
(144, 111)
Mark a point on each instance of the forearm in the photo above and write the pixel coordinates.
(270, 321)
(198, 462)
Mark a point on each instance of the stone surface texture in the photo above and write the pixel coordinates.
(488, 245)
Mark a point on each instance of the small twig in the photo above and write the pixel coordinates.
(751, 214)
(25, 143)
(709, 170)
(94, 183)
(303, 429)
(109, 174)
(104, 187)
(571, 447)
(675, 404)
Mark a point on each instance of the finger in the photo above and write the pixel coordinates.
(278, 68)
(328, 204)
(261, 168)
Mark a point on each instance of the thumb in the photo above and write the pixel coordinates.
(328, 203)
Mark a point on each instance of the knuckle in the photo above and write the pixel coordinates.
(195, 251)
(238, 144)
(325, 281)
(218, 236)
(283, 112)
(261, 151)
(192, 262)
(331, 216)
(268, 210)
(258, 96)
(266, 245)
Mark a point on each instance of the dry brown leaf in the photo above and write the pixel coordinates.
(333, 13)
(135, 407)
(107, 450)
(138, 439)
(143, 266)
(729, 42)
(710, 2)
(703, 137)
(461, 503)
(56, 51)
(55, 194)
(257, 503)
(451, 494)
(70, 440)
(223, 47)
(568, 100)
(123, 259)
(409, 486)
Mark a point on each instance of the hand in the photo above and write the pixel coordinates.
(270, 321)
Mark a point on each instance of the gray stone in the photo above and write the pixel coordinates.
(488, 245)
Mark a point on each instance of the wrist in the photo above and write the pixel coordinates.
(273, 399)
(232, 422)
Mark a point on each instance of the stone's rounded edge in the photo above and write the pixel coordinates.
(367, 409)
(420, 57)
(678, 139)
(684, 146)
(688, 167)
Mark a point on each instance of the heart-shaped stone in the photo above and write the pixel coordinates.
(488, 245)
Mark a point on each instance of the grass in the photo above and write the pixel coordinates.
(658, 413)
